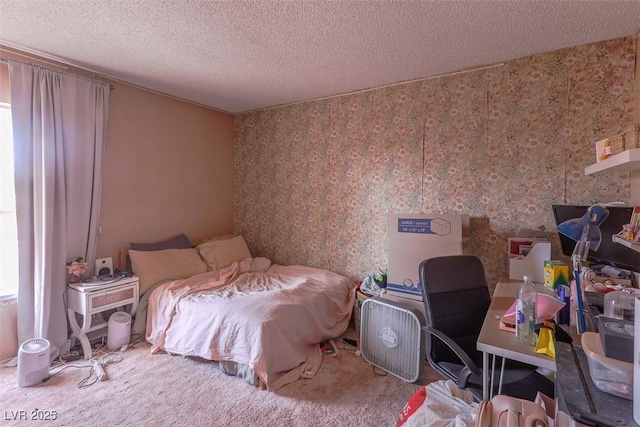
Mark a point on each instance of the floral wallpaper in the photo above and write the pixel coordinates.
(315, 181)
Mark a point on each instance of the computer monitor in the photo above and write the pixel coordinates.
(610, 252)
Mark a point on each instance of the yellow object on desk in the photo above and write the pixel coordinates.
(546, 343)
(556, 273)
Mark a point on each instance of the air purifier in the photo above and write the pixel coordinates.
(33, 362)
(392, 339)
(118, 330)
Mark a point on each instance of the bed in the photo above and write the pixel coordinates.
(260, 321)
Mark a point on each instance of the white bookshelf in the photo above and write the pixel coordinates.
(627, 160)
(627, 243)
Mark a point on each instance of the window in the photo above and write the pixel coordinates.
(8, 227)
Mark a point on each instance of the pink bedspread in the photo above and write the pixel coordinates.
(269, 317)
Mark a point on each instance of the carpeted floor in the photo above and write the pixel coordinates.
(145, 389)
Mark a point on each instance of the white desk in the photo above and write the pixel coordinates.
(494, 341)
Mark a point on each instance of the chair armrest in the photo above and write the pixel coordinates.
(470, 366)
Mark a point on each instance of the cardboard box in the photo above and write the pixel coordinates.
(357, 307)
(530, 262)
(414, 238)
(410, 303)
(357, 315)
(361, 297)
(556, 273)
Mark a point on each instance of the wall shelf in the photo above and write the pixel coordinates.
(627, 160)
(627, 243)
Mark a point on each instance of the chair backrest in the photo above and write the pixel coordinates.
(456, 298)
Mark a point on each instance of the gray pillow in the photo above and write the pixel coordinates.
(178, 242)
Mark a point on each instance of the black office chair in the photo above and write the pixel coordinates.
(456, 299)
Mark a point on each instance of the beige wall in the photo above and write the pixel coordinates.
(168, 167)
(637, 77)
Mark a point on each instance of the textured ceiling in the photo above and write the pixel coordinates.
(238, 56)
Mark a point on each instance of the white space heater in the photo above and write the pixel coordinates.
(33, 362)
(391, 338)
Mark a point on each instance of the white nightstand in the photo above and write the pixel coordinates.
(90, 300)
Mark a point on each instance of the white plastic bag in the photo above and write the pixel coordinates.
(369, 286)
(439, 404)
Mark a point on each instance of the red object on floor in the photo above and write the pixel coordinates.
(416, 401)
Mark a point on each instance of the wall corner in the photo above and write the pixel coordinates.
(636, 86)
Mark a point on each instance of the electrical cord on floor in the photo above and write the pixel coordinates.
(377, 371)
(62, 363)
(349, 342)
(137, 339)
(101, 357)
(99, 347)
(349, 345)
(65, 367)
(84, 383)
(353, 344)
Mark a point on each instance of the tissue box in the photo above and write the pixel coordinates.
(556, 273)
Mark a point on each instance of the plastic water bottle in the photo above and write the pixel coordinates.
(526, 312)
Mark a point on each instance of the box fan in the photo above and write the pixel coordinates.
(391, 338)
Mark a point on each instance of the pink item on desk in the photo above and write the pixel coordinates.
(546, 308)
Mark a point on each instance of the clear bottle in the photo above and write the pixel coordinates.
(526, 312)
(620, 304)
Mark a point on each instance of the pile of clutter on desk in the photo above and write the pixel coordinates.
(609, 341)
(609, 313)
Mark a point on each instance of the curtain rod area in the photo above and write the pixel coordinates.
(33, 58)
(6, 60)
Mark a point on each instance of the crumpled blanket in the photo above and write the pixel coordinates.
(269, 317)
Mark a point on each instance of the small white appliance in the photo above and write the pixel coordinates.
(103, 267)
(33, 362)
(391, 338)
(118, 330)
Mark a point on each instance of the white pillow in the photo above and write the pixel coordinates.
(219, 254)
(169, 264)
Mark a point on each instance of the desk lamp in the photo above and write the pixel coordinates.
(586, 232)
